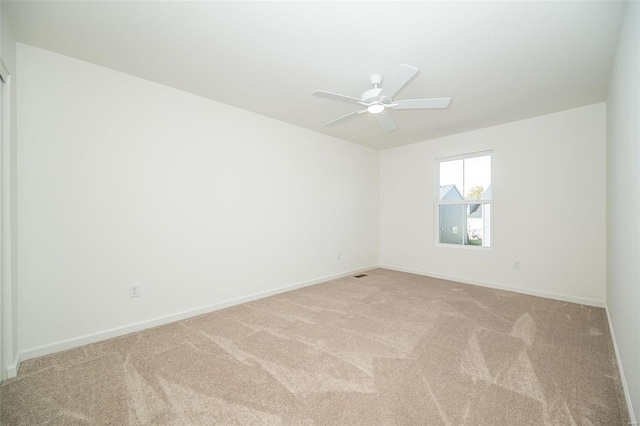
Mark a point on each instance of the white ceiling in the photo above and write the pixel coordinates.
(498, 61)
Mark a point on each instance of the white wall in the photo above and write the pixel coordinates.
(8, 170)
(548, 188)
(623, 201)
(127, 181)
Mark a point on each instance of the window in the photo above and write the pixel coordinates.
(464, 203)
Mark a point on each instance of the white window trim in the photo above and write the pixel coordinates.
(438, 202)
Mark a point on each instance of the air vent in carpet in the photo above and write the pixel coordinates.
(360, 276)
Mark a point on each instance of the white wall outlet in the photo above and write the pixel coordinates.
(516, 264)
(339, 256)
(134, 290)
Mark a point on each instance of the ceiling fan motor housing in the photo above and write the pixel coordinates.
(370, 95)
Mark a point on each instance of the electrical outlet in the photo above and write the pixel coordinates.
(516, 264)
(134, 290)
(339, 256)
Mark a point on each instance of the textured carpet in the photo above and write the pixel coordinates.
(389, 348)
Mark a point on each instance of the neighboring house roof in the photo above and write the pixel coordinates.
(474, 209)
(450, 192)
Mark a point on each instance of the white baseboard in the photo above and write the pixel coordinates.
(547, 295)
(12, 369)
(119, 331)
(627, 396)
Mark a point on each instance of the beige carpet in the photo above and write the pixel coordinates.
(389, 348)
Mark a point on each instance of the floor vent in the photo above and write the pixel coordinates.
(360, 276)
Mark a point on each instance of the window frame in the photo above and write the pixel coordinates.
(438, 202)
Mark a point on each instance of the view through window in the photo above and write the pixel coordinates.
(464, 202)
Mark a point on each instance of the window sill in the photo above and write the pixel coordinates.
(463, 247)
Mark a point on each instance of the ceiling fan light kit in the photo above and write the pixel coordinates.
(375, 108)
(377, 100)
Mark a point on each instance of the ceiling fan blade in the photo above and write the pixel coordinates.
(337, 97)
(331, 123)
(398, 80)
(385, 121)
(421, 103)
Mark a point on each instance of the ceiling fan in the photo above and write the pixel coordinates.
(379, 99)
